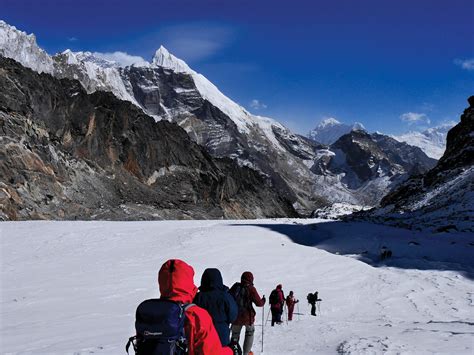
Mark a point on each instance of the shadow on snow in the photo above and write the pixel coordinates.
(363, 241)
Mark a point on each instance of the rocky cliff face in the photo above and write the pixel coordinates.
(441, 199)
(67, 154)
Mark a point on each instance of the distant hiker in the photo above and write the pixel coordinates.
(171, 324)
(215, 298)
(312, 299)
(290, 304)
(245, 295)
(385, 253)
(277, 302)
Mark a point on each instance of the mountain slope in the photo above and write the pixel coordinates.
(66, 154)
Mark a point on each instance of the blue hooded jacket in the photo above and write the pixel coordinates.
(214, 297)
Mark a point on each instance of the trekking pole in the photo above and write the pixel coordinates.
(263, 317)
(268, 316)
(298, 307)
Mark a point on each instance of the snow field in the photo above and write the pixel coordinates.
(73, 287)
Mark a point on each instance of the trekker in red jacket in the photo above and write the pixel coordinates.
(245, 295)
(175, 279)
(277, 302)
(290, 304)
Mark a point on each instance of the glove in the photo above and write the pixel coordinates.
(237, 350)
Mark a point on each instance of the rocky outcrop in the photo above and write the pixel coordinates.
(69, 155)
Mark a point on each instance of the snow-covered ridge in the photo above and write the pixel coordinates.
(93, 72)
(22, 47)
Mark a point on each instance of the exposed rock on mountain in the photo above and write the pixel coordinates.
(66, 154)
(442, 199)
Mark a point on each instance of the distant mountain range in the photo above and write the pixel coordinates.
(353, 166)
(432, 140)
(441, 199)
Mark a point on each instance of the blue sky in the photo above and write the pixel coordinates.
(392, 65)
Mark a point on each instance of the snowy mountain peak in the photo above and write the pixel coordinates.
(23, 48)
(329, 122)
(242, 119)
(70, 56)
(330, 130)
(165, 59)
(357, 126)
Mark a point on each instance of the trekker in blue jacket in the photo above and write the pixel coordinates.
(214, 297)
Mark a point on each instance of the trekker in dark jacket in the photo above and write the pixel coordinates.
(214, 297)
(246, 295)
(277, 302)
(312, 299)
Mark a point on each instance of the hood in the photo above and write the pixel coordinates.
(247, 278)
(176, 281)
(211, 280)
(279, 287)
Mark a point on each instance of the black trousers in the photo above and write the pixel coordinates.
(276, 316)
(313, 309)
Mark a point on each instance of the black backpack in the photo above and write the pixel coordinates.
(159, 324)
(241, 296)
(311, 298)
(273, 299)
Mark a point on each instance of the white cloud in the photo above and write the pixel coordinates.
(257, 105)
(414, 118)
(121, 58)
(196, 41)
(467, 64)
(72, 39)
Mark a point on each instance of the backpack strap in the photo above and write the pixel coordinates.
(187, 306)
(131, 341)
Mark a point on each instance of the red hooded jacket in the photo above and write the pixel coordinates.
(176, 281)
